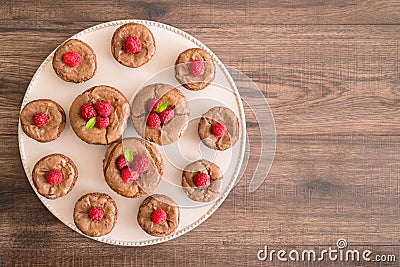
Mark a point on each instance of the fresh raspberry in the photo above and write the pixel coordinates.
(132, 45)
(96, 214)
(40, 119)
(202, 180)
(72, 59)
(140, 164)
(122, 162)
(196, 67)
(54, 177)
(153, 104)
(167, 115)
(153, 120)
(102, 122)
(88, 111)
(158, 216)
(218, 129)
(128, 175)
(103, 108)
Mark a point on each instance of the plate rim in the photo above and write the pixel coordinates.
(242, 144)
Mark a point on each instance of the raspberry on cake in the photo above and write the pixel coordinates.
(54, 176)
(132, 167)
(102, 122)
(43, 120)
(95, 214)
(153, 104)
(140, 163)
(74, 61)
(160, 113)
(166, 115)
(158, 215)
(129, 175)
(103, 108)
(153, 120)
(122, 162)
(201, 180)
(133, 45)
(40, 119)
(219, 128)
(88, 111)
(195, 69)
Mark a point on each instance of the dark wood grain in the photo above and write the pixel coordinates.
(206, 12)
(330, 72)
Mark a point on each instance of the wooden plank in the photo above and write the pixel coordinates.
(209, 12)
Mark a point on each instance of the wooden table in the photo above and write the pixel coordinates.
(330, 72)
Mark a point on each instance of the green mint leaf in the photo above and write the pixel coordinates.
(90, 123)
(128, 155)
(161, 107)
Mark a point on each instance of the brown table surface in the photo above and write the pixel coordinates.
(330, 72)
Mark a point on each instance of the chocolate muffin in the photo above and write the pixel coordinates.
(132, 167)
(54, 176)
(75, 61)
(133, 45)
(99, 115)
(195, 69)
(201, 180)
(158, 215)
(160, 113)
(43, 120)
(95, 214)
(219, 128)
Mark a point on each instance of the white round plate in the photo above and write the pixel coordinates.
(88, 158)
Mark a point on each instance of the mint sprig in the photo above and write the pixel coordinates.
(90, 123)
(162, 106)
(128, 155)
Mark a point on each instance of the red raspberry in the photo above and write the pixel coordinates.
(153, 120)
(128, 175)
(158, 216)
(103, 108)
(167, 115)
(102, 122)
(122, 162)
(196, 67)
(140, 164)
(132, 45)
(40, 119)
(54, 177)
(72, 59)
(202, 180)
(88, 111)
(96, 214)
(218, 129)
(153, 104)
